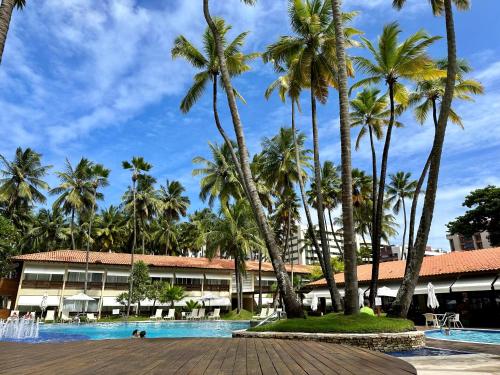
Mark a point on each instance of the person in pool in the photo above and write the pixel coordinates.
(138, 334)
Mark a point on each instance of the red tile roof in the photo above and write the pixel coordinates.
(77, 256)
(474, 261)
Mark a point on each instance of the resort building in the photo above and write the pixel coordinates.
(60, 274)
(398, 254)
(478, 241)
(467, 283)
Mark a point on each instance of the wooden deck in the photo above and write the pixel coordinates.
(196, 356)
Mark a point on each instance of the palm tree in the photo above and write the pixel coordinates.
(171, 293)
(237, 63)
(219, 176)
(235, 234)
(98, 178)
(137, 166)
(21, 183)
(426, 99)
(414, 263)
(49, 230)
(312, 53)
(6, 10)
(393, 62)
(166, 232)
(75, 191)
(399, 189)
(292, 305)
(110, 228)
(174, 204)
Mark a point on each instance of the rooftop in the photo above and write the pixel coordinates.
(123, 259)
(462, 262)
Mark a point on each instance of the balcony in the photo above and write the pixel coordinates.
(39, 284)
(216, 288)
(190, 287)
(81, 285)
(116, 286)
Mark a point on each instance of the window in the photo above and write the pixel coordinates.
(452, 245)
(216, 282)
(117, 279)
(39, 277)
(80, 277)
(186, 281)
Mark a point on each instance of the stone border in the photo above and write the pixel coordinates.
(382, 342)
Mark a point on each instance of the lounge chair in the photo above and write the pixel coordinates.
(201, 314)
(91, 317)
(33, 315)
(170, 315)
(192, 315)
(49, 316)
(430, 319)
(454, 320)
(263, 313)
(65, 318)
(14, 314)
(215, 314)
(157, 315)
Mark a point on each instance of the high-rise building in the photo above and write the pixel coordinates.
(478, 241)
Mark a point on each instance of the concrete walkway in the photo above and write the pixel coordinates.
(467, 364)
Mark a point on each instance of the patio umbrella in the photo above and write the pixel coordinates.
(43, 302)
(314, 302)
(80, 297)
(361, 297)
(207, 298)
(386, 292)
(432, 301)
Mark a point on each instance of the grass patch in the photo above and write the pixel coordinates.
(233, 315)
(131, 318)
(339, 323)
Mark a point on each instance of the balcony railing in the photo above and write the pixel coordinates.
(190, 288)
(116, 286)
(216, 288)
(42, 284)
(81, 285)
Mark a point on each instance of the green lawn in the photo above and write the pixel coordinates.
(131, 318)
(243, 315)
(339, 323)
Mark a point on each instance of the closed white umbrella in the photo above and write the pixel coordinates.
(314, 302)
(361, 297)
(432, 301)
(386, 292)
(44, 302)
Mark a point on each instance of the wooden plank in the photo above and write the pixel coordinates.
(280, 366)
(266, 365)
(253, 367)
(240, 362)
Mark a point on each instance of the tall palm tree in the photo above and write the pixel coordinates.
(399, 189)
(75, 191)
(235, 234)
(426, 99)
(49, 230)
(219, 176)
(6, 10)
(22, 183)
(414, 263)
(138, 166)
(237, 63)
(110, 228)
(292, 305)
(312, 53)
(392, 63)
(166, 232)
(98, 178)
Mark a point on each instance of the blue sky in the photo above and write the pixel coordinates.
(95, 78)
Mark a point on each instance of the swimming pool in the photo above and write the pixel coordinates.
(481, 336)
(104, 331)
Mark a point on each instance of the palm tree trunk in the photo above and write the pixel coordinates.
(351, 305)
(237, 279)
(310, 224)
(292, 305)
(6, 10)
(131, 281)
(260, 280)
(142, 238)
(335, 239)
(374, 184)
(334, 293)
(167, 245)
(404, 228)
(88, 245)
(72, 226)
(377, 230)
(403, 299)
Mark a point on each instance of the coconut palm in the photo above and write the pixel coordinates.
(393, 62)
(166, 232)
(236, 61)
(292, 305)
(219, 179)
(235, 234)
(311, 55)
(426, 99)
(171, 294)
(98, 178)
(49, 230)
(401, 305)
(173, 203)
(138, 166)
(110, 228)
(22, 183)
(75, 191)
(399, 189)
(6, 10)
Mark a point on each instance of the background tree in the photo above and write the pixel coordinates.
(6, 10)
(111, 230)
(483, 215)
(9, 237)
(49, 230)
(141, 283)
(171, 294)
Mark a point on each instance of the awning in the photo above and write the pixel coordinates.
(223, 301)
(439, 287)
(473, 284)
(37, 300)
(81, 270)
(118, 273)
(266, 278)
(496, 286)
(110, 301)
(186, 275)
(323, 293)
(265, 300)
(217, 276)
(44, 270)
(163, 275)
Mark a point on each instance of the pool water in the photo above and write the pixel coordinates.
(426, 352)
(103, 331)
(482, 336)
